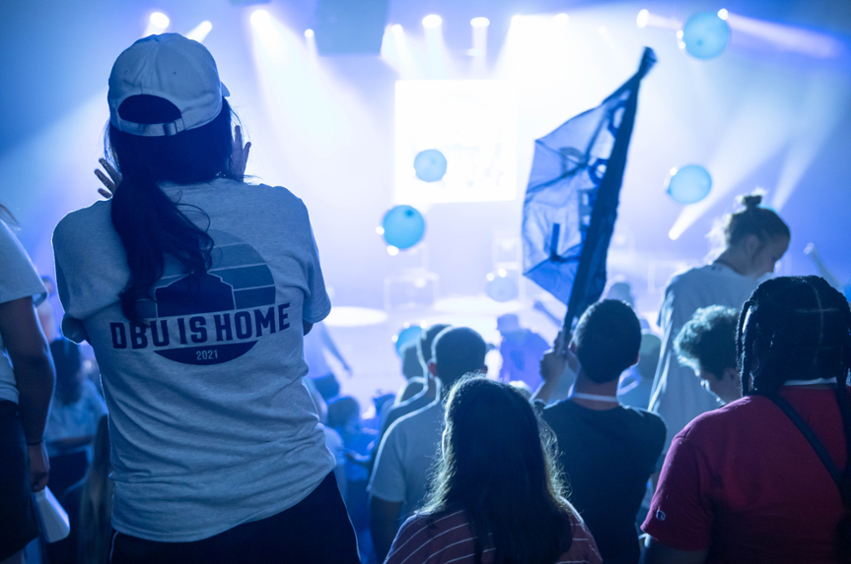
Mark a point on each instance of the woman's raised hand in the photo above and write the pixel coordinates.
(110, 182)
(240, 152)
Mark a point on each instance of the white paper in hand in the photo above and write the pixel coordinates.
(54, 519)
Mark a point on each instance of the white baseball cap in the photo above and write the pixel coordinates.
(171, 67)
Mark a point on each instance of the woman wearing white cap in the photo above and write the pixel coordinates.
(195, 290)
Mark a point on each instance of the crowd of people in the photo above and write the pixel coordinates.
(210, 441)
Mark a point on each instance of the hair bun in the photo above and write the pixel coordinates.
(751, 201)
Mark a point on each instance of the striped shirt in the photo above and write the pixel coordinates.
(450, 540)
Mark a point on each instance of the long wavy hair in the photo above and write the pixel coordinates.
(500, 469)
(96, 503)
(152, 226)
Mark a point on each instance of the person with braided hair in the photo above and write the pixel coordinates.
(754, 239)
(764, 478)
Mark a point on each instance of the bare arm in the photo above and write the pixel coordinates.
(658, 553)
(33, 368)
(383, 524)
(552, 367)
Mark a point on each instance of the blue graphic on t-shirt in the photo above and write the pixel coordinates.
(210, 317)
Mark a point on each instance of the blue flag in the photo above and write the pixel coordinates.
(572, 199)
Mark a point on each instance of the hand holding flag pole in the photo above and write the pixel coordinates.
(572, 198)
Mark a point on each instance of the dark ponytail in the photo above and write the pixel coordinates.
(148, 222)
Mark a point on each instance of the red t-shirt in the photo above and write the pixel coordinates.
(744, 482)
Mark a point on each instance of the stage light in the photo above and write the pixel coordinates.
(561, 19)
(432, 21)
(159, 20)
(480, 22)
(260, 18)
(642, 18)
(392, 251)
(308, 33)
(723, 13)
(396, 28)
(200, 32)
(379, 230)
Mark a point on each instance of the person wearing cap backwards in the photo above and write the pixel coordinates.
(195, 290)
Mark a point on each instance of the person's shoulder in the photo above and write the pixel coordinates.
(416, 418)
(277, 194)
(687, 277)
(82, 222)
(559, 410)
(730, 416)
(644, 417)
(419, 530)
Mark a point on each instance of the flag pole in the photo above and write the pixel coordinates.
(592, 261)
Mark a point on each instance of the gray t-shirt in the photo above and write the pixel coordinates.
(678, 395)
(406, 457)
(18, 279)
(211, 425)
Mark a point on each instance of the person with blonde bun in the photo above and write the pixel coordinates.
(754, 238)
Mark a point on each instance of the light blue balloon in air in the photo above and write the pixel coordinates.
(407, 335)
(430, 165)
(690, 184)
(705, 35)
(403, 227)
(501, 288)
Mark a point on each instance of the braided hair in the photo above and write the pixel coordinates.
(799, 328)
(795, 328)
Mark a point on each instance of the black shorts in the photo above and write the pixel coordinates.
(316, 530)
(18, 521)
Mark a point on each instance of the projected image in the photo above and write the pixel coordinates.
(473, 123)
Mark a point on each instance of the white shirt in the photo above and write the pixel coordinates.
(406, 455)
(677, 394)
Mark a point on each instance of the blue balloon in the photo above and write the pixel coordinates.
(430, 165)
(403, 227)
(407, 335)
(690, 184)
(705, 35)
(502, 289)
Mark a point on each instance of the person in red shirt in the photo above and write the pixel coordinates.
(743, 483)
